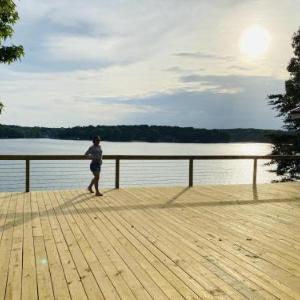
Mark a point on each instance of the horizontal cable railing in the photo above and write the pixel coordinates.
(36, 172)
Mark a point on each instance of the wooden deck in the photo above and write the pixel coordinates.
(206, 242)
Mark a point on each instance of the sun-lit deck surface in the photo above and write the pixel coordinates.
(206, 242)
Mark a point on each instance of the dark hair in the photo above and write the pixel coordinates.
(96, 138)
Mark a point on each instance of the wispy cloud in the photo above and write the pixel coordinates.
(81, 48)
(204, 56)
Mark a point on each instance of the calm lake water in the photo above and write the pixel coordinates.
(76, 174)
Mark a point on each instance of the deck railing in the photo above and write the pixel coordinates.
(117, 158)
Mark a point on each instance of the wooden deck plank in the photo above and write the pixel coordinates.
(109, 245)
(124, 229)
(158, 258)
(219, 231)
(250, 220)
(64, 236)
(144, 271)
(4, 206)
(44, 284)
(65, 210)
(29, 280)
(103, 255)
(205, 242)
(267, 207)
(189, 261)
(185, 232)
(210, 289)
(14, 280)
(57, 277)
(6, 244)
(260, 230)
(122, 258)
(220, 234)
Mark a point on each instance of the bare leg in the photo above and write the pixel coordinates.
(96, 183)
(91, 185)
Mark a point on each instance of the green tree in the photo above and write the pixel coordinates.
(8, 17)
(289, 144)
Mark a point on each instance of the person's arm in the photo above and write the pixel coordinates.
(88, 152)
(101, 153)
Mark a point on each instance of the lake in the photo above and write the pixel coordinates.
(76, 174)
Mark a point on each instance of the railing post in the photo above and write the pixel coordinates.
(191, 172)
(27, 177)
(117, 177)
(254, 170)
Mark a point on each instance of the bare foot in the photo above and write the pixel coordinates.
(98, 194)
(90, 190)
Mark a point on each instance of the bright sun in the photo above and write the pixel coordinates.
(255, 41)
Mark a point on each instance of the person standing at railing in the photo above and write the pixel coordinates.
(95, 154)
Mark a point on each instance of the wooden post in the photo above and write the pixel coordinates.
(117, 178)
(191, 172)
(27, 177)
(254, 170)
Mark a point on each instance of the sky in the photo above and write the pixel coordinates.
(206, 64)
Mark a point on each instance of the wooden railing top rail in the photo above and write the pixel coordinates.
(148, 157)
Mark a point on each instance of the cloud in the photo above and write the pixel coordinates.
(148, 61)
(73, 113)
(80, 97)
(174, 69)
(239, 68)
(246, 108)
(242, 81)
(177, 69)
(80, 48)
(204, 56)
(193, 78)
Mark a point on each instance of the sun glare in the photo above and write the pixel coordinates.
(255, 41)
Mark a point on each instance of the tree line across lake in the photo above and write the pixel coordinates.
(145, 133)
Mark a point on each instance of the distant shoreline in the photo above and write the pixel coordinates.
(142, 133)
(135, 141)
